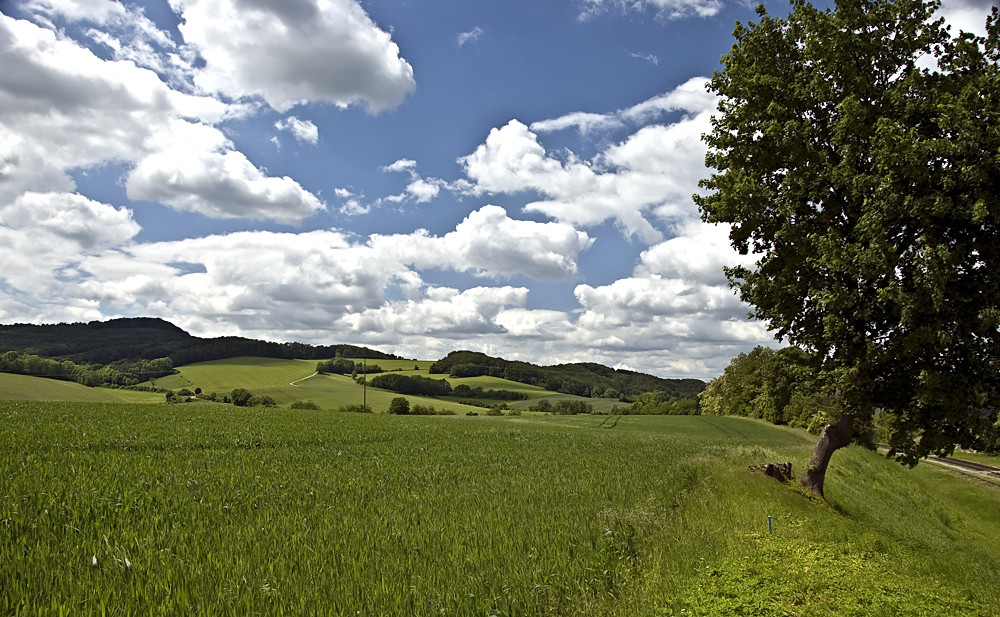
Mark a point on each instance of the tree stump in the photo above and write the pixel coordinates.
(782, 472)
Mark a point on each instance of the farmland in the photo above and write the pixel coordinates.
(287, 381)
(200, 508)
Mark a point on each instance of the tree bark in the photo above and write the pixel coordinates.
(833, 437)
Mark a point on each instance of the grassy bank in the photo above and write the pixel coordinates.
(156, 509)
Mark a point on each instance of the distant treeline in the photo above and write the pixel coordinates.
(581, 379)
(143, 338)
(343, 366)
(122, 373)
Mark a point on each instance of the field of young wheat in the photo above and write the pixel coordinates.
(200, 509)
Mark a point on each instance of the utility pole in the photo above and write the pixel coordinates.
(364, 381)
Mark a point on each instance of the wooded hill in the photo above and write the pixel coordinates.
(581, 379)
(145, 338)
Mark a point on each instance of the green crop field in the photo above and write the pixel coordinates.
(117, 509)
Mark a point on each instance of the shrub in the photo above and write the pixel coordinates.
(543, 405)
(261, 401)
(572, 407)
(304, 405)
(240, 397)
(399, 406)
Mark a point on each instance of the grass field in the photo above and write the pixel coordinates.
(287, 381)
(204, 509)
(27, 388)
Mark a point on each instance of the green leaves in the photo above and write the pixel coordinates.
(867, 180)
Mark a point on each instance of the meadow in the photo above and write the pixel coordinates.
(287, 381)
(28, 388)
(139, 509)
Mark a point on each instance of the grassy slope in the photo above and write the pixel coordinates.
(27, 388)
(238, 511)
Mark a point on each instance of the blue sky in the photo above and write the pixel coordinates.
(419, 176)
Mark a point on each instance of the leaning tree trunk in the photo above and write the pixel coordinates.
(833, 437)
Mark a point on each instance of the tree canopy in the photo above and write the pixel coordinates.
(855, 155)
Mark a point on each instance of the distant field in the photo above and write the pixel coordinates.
(27, 388)
(985, 459)
(274, 377)
(210, 509)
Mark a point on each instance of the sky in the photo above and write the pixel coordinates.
(418, 176)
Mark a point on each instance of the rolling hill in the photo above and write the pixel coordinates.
(118, 342)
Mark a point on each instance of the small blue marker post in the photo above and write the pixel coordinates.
(769, 530)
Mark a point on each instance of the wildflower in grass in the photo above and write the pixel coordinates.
(93, 561)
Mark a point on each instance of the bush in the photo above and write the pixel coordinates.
(304, 405)
(240, 397)
(543, 406)
(399, 406)
(261, 401)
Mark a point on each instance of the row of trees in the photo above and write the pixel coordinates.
(343, 366)
(781, 386)
(563, 406)
(411, 384)
(122, 373)
(659, 402)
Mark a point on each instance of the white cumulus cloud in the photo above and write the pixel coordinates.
(291, 52)
(302, 130)
(655, 170)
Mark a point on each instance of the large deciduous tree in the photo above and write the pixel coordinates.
(856, 152)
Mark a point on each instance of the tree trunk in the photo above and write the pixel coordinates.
(833, 437)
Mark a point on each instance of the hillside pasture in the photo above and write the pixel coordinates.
(27, 388)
